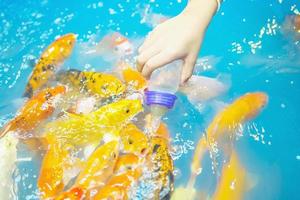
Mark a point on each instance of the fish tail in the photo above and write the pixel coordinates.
(28, 91)
(200, 150)
(5, 130)
(36, 144)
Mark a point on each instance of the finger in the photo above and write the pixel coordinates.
(146, 55)
(188, 68)
(150, 39)
(157, 61)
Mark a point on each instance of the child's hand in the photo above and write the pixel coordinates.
(177, 38)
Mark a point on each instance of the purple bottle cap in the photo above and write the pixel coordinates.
(160, 98)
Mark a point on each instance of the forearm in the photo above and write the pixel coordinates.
(201, 10)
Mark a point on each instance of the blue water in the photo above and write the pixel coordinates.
(26, 27)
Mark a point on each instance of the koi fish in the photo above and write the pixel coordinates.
(90, 128)
(35, 110)
(99, 167)
(50, 181)
(103, 159)
(160, 161)
(133, 140)
(225, 123)
(234, 182)
(105, 85)
(115, 45)
(49, 61)
(126, 172)
(127, 162)
(118, 186)
(199, 89)
(134, 78)
(8, 155)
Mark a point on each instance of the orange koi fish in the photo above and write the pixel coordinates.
(48, 63)
(126, 172)
(118, 185)
(35, 110)
(126, 162)
(234, 182)
(99, 167)
(132, 77)
(225, 124)
(133, 140)
(50, 181)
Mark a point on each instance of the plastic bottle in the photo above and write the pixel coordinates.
(160, 95)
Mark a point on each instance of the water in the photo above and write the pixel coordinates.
(239, 32)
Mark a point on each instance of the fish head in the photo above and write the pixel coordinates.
(108, 85)
(297, 23)
(53, 92)
(134, 78)
(256, 101)
(50, 93)
(66, 44)
(73, 193)
(133, 140)
(119, 112)
(126, 162)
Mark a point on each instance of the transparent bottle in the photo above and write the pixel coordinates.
(160, 95)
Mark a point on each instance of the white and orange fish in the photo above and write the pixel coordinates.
(115, 46)
(200, 89)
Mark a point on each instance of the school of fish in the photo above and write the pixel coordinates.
(88, 129)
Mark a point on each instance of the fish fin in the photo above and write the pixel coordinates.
(196, 168)
(88, 150)
(203, 195)
(184, 193)
(73, 115)
(28, 92)
(5, 130)
(251, 181)
(14, 104)
(36, 144)
(218, 105)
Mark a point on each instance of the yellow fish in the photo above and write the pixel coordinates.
(233, 183)
(225, 123)
(90, 128)
(126, 162)
(133, 140)
(133, 77)
(99, 167)
(118, 186)
(50, 181)
(105, 85)
(49, 61)
(126, 172)
(35, 110)
(160, 160)
(75, 193)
